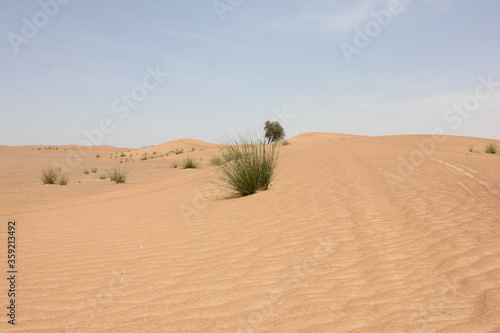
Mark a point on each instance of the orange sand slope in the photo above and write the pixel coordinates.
(357, 234)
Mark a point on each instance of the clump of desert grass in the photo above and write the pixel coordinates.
(63, 178)
(248, 165)
(53, 176)
(491, 148)
(218, 160)
(189, 163)
(284, 143)
(118, 174)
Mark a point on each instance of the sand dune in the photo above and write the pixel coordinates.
(357, 234)
(186, 144)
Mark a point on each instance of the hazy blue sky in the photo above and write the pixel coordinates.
(68, 65)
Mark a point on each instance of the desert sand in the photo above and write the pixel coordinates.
(356, 234)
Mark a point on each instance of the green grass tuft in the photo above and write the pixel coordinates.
(118, 174)
(54, 175)
(249, 165)
(189, 163)
(491, 148)
(216, 160)
(49, 176)
(63, 178)
(284, 143)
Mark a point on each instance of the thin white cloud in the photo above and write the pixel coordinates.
(334, 16)
(101, 42)
(197, 37)
(350, 16)
(440, 5)
(194, 79)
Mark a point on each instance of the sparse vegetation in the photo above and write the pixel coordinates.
(491, 148)
(102, 177)
(216, 160)
(174, 165)
(178, 151)
(63, 178)
(97, 156)
(284, 143)
(189, 163)
(118, 174)
(249, 166)
(93, 170)
(86, 171)
(228, 156)
(54, 175)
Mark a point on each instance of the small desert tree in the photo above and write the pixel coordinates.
(274, 132)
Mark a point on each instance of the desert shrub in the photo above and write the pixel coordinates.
(93, 170)
(491, 148)
(249, 165)
(63, 178)
(174, 165)
(118, 174)
(284, 143)
(97, 156)
(86, 171)
(102, 177)
(216, 160)
(51, 175)
(179, 151)
(189, 163)
(226, 157)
